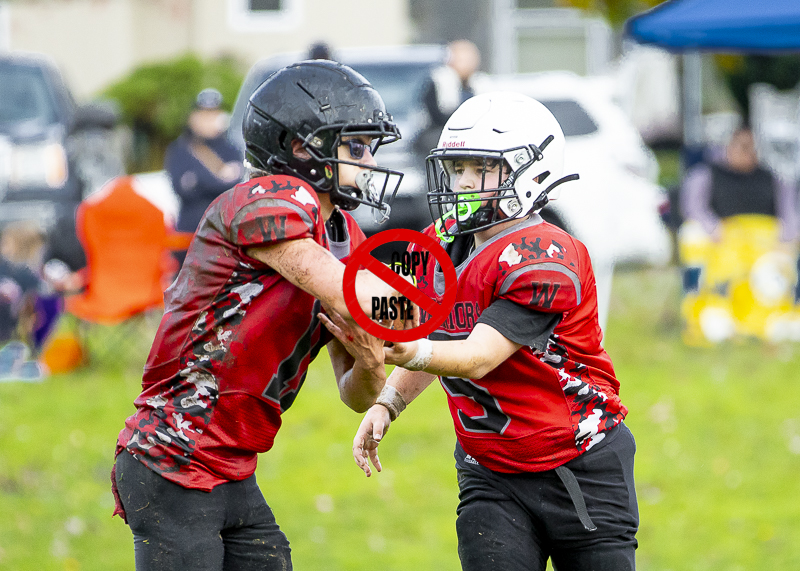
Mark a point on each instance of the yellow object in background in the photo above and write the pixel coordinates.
(747, 282)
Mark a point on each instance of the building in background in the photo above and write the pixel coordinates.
(95, 42)
(530, 37)
(524, 35)
(4, 28)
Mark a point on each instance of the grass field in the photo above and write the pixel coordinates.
(718, 434)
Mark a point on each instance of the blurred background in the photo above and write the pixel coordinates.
(701, 321)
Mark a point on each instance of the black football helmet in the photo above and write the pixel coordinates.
(319, 102)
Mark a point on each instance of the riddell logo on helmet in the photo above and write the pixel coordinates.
(453, 144)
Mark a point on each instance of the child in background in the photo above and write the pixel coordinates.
(21, 247)
(30, 302)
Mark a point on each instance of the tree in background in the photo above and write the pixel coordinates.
(741, 71)
(616, 11)
(156, 99)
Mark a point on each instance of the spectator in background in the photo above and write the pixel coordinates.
(30, 298)
(738, 247)
(733, 185)
(202, 163)
(19, 282)
(738, 185)
(447, 88)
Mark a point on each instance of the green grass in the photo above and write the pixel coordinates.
(669, 161)
(718, 436)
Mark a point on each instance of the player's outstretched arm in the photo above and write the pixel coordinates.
(471, 358)
(401, 388)
(359, 370)
(315, 270)
(357, 358)
(370, 432)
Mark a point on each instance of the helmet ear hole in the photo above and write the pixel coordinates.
(542, 177)
(282, 139)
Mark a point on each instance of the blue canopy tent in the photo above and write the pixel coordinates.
(745, 26)
(730, 26)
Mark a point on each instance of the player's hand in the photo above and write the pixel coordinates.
(399, 353)
(412, 321)
(361, 345)
(406, 320)
(372, 429)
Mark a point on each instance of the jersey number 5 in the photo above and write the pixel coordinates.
(493, 418)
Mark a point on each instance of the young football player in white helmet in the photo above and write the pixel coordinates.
(480, 151)
(545, 462)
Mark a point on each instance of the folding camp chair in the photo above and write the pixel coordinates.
(128, 266)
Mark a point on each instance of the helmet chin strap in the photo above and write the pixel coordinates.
(343, 198)
(543, 198)
(364, 188)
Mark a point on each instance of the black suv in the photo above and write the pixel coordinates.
(53, 153)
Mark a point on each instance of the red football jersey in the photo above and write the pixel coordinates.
(539, 408)
(236, 339)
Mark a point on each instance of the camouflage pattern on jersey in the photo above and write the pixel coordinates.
(234, 346)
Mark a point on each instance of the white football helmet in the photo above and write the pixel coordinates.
(516, 145)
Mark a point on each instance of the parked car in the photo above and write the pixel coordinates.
(53, 152)
(398, 74)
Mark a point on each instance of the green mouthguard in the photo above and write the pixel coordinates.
(467, 205)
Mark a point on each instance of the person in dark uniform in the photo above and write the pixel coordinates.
(447, 87)
(202, 163)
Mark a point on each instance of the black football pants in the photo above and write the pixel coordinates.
(515, 522)
(230, 528)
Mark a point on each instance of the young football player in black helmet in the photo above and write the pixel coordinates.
(341, 114)
(241, 324)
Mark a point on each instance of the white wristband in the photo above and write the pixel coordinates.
(422, 358)
(392, 400)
